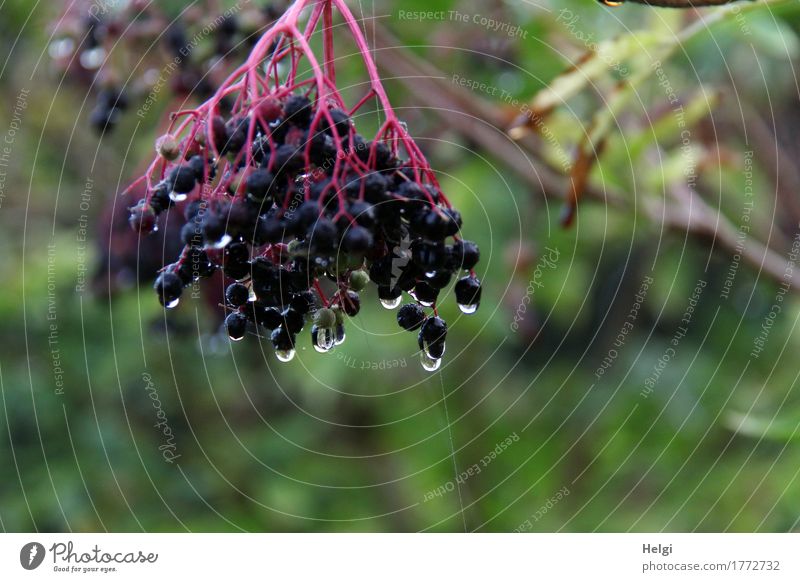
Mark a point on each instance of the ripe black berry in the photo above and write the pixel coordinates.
(236, 294)
(410, 316)
(181, 179)
(258, 183)
(236, 325)
(464, 254)
(425, 293)
(169, 287)
(468, 294)
(297, 110)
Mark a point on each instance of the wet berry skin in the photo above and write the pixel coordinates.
(465, 254)
(236, 325)
(410, 316)
(433, 330)
(468, 291)
(169, 287)
(182, 179)
(282, 339)
(236, 294)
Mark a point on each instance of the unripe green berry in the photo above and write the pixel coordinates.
(358, 280)
(325, 317)
(168, 147)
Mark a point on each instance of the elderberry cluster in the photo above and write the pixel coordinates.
(304, 212)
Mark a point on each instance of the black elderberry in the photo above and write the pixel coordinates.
(219, 134)
(258, 183)
(389, 296)
(297, 110)
(410, 316)
(303, 302)
(201, 265)
(464, 254)
(363, 214)
(428, 255)
(236, 294)
(198, 164)
(439, 279)
(283, 341)
(236, 133)
(425, 293)
(268, 317)
(468, 293)
(375, 186)
(142, 218)
(341, 121)
(322, 235)
(357, 240)
(192, 234)
(452, 221)
(159, 198)
(299, 221)
(293, 321)
(193, 211)
(181, 179)
(434, 330)
(236, 325)
(169, 287)
(287, 161)
(381, 271)
(351, 303)
(214, 229)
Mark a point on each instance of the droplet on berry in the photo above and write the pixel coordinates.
(323, 338)
(428, 363)
(392, 303)
(340, 335)
(468, 294)
(236, 325)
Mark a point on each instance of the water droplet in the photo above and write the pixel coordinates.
(468, 309)
(61, 48)
(175, 197)
(284, 355)
(340, 335)
(439, 350)
(93, 58)
(235, 339)
(324, 338)
(251, 295)
(430, 274)
(174, 303)
(223, 242)
(425, 303)
(428, 363)
(392, 303)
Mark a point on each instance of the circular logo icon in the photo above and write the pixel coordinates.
(31, 555)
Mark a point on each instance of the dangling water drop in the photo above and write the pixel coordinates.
(284, 355)
(176, 197)
(392, 303)
(324, 338)
(174, 303)
(235, 339)
(340, 335)
(434, 350)
(425, 303)
(468, 309)
(428, 363)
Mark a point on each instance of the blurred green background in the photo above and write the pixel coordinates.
(358, 440)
